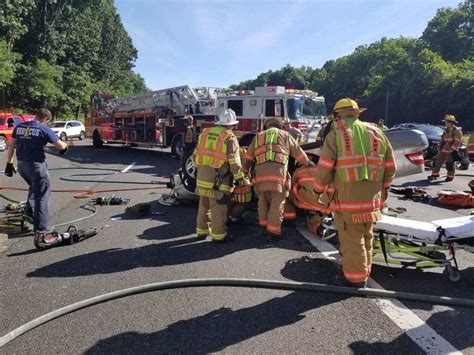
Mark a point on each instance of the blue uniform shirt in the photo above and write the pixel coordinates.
(31, 137)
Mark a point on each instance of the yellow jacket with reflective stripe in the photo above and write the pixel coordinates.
(272, 175)
(217, 151)
(361, 200)
(451, 139)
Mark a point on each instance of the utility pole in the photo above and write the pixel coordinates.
(386, 105)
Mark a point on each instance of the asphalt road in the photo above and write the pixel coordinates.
(131, 251)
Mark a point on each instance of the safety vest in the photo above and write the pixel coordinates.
(361, 152)
(190, 134)
(272, 145)
(212, 147)
(242, 193)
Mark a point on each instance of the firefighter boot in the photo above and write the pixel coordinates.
(340, 280)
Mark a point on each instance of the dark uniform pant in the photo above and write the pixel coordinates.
(442, 157)
(218, 218)
(271, 205)
(37, 177)
(355, 246)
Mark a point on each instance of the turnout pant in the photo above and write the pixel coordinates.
(355, 247)
(37, 177)
(290, 210)
(271, 205)
(218, 218)
(442, 157)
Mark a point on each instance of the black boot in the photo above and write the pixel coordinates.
(340, 280)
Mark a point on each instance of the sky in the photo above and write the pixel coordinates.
(219, 43)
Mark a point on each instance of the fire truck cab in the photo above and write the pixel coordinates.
(304, 108)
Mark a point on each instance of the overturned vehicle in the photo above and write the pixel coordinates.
(408, 146)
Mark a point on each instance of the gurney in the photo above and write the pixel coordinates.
(410, 243)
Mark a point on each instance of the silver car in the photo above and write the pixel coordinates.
(408, 146)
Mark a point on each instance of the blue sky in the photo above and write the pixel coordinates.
(219, 43)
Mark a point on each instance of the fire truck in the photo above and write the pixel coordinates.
(156, 118)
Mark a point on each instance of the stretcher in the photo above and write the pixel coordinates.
(410, 243)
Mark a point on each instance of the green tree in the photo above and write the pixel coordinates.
(8, 64)
(44, 85)
(451, 32)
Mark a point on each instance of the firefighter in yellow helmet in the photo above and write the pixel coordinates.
(358, 158)
(271, 150)
(218, 165)
(449, 151)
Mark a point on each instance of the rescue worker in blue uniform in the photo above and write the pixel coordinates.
(29, 139)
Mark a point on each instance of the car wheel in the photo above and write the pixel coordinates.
(97, 141)
(176, 149)
(63, 136)
(82, 135)
(188, 171)
(3, 143)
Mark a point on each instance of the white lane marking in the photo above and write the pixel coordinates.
(128, 167)
(420, 332)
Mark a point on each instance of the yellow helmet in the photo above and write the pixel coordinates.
(272, 122)
(450, 118)
(347, 104)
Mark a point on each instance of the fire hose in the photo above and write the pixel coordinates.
(85, 193)
(230, 282)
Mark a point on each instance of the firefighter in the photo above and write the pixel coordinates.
(241, 196)
(29, 139)
(325, 129)
(190, 137)
(381, 125)
(289, 212)
(358, 158)
(450, 142)
(218, 165)
(271, 149)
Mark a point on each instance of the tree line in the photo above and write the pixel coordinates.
(422, 78)
(56, 53)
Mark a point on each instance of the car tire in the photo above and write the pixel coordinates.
(176, 149)
(63, 136)
(3, 143)
(97, 141)
(82, 135)
(188, 171)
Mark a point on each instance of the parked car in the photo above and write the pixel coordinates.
(8, 121)
(68, 129)
(433, 133)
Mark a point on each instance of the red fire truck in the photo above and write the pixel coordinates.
(155, 119)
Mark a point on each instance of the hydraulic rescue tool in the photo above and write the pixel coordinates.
(72, 235)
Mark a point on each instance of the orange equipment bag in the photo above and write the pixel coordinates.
(455, 198)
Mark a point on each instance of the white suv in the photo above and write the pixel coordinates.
(68, 129)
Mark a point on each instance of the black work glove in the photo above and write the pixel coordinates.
(63, 151)
(10, 169)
